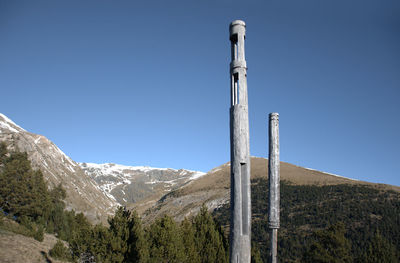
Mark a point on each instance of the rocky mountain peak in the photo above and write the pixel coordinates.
(7, 125)
(94, 189)
(83, 194)
(130, 184)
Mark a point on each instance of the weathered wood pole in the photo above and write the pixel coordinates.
(274, 183)
(240, 227)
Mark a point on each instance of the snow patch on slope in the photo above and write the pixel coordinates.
(108, 168)
(310, 169)
(196, 175)
(111, 168)
(110, 177)
(8, 124)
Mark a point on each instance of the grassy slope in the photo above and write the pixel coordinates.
(214, 188)
(18, 248)
(310, 200)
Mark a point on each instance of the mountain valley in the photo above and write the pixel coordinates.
(94, 189)
(311, 200)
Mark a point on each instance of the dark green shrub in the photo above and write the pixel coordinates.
(38, 234)
(59, 251)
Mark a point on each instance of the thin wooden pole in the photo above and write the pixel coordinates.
(274, 184)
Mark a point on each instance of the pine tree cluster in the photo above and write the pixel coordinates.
(336, 223)
(329, 223)
(127, 240)
(24, 197)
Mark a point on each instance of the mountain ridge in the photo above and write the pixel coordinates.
(97, 189)
(213, 189)
(86, 183)
(311, 200)
(129, 184)
(83, 195)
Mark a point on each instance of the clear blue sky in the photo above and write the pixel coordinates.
(147, 82)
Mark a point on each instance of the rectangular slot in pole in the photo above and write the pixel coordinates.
(236, 88)
(232, 90)
(245, 199)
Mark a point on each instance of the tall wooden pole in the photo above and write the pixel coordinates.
(274, 184)
(240, 227)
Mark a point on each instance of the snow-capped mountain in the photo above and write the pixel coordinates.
(83, 194)
(130, 184)
(94, 189)
(7, 125)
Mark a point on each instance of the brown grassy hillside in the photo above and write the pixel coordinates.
(214, 188)
(18, 248)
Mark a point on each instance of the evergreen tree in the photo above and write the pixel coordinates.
(209, 238)
(3, 152)
(138, 247)
(188, 239)
(380, 250)
(255, 253)
(330, 246)
(80, 237)
(23, 190)
(165, 241)
(81, 244)
(59, 251)
(57, 221)
(58, 194)
(100, 244)
(120, 232)
(34, 230)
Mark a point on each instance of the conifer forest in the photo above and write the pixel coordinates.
(331, 223)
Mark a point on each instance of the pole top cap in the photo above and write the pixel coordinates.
(274, 116)
(237, 23)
